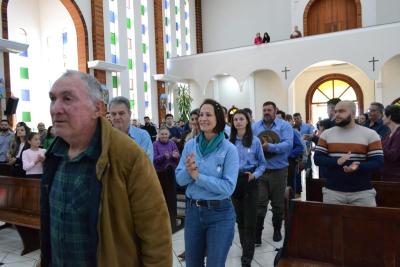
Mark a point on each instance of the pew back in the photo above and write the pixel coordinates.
(387, 193)
(19, 201)
(322, 234)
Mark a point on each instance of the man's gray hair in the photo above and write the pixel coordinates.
(92, 84)
(120, 100)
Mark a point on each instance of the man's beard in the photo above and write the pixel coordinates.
(344, 122)
(4, 129)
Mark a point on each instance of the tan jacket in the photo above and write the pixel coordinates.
(134, 227)
(133, 224)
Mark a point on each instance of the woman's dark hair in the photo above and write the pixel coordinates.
(394, 112)
(17, 140)
(194, 112)
(31, 135)
(48, 134)
(219, 114)
(266, 38)
(248, 135)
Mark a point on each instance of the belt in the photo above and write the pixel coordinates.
(206, 203)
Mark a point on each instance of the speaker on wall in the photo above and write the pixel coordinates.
(11, 106)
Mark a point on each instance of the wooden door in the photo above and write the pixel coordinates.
(325, 16)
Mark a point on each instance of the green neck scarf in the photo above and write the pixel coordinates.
(210, 146)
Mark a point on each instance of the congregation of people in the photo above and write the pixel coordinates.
(265, 39)
(123, 178)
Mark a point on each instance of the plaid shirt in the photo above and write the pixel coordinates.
(69, 206)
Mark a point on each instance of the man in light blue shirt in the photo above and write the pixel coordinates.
(6, 137)
(272, 184)
(120, 117)
(306, 131)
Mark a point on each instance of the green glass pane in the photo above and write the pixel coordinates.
(145, 85)
(132, 103)
(176, 10)
(128, 23)
(26, 116)
(142, 9)
(144, 48)
(177, 42)
(23, 73)
(168, 54)
(113, 38)
(166, 21)
(327, 88)
(115, 81)
(186, 31)
(130, 63)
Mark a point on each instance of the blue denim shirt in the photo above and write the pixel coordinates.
(218, 171)
(142, 138)
(251, 157)
(5, 141)
(283, 148)
(306, 128)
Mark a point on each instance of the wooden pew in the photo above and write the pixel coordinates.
(321, 234)
(19, 206)
(387, 193)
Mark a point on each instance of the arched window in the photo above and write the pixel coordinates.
(328, 87)
(396, 102)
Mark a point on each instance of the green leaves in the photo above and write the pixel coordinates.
(184, 102)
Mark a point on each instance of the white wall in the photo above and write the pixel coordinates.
(391, 80)
(309, 76)
(268, 87)
(387, 11)
(234, 23)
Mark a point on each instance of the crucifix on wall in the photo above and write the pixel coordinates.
(373, 60)
(286, 70)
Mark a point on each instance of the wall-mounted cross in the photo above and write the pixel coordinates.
(286, 70)
(373, 60)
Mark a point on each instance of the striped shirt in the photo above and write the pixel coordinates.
(365, 147)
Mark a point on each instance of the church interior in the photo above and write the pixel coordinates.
(153, 51)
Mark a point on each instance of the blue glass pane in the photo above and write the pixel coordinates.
(167, 39)
(177, 26)
(144, 67)
(166, 4)
(24, 53)
(143, 29)
(114, 59)
(112, 17)
(146, 104)
(187, 46)
(186, 15)
(25, 95)
(65, 37)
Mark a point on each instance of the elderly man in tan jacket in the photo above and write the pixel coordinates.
(101, 202)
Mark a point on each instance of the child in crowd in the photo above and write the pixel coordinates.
(33, 157)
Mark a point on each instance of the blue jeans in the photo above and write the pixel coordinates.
(209, 232)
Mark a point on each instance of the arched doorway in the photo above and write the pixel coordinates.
(328, 87)
(324, 16)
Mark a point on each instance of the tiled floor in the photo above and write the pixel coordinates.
(264, 255)
(11, 247)
(10, 250)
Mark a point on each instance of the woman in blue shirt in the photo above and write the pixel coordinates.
(252, 165)
(209, 167)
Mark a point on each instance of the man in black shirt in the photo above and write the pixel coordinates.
(150, 128)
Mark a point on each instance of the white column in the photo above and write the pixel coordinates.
(192, 19)
(378, 88)
(183, 26)
(107, 45)
(291, 103)
(252, 92)
(123, 48)
(173, 27)
(153, 103)
(138, 60)
(215, 83)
